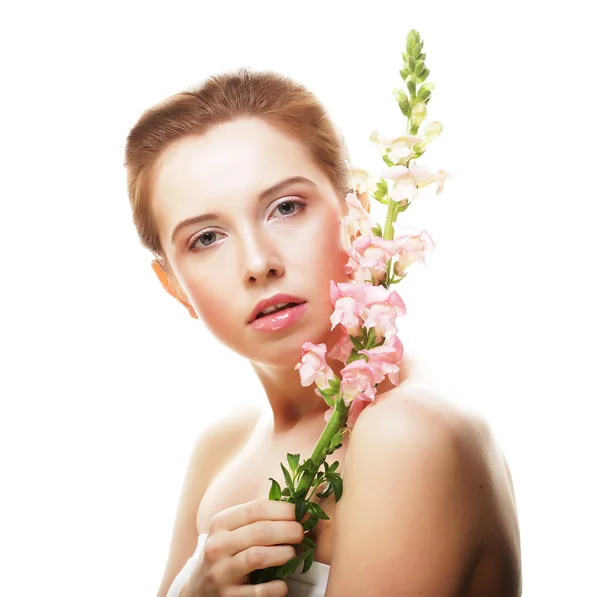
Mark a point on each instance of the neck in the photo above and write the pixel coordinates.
(291, 403)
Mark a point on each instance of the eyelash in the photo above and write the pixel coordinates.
(196, 238)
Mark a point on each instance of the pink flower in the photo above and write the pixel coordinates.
(358, 405)
(349, 305)
(416, 176)
(385, 359)
(384, 306)
(342, 349)
(374, 295)
(370, 253)
(357, 378)
(412, 249)
(313, 367)
(357, 220)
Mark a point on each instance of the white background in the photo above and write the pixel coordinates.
(106, 381)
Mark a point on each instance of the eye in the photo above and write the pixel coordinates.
(204, 240)
(289, 207)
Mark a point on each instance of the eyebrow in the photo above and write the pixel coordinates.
(276, 188)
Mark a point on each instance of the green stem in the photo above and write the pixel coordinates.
(388, 233)
(336, 422)
(390, 218)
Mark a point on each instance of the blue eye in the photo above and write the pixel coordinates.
(287, 204)
(208, 238)
(204, 239)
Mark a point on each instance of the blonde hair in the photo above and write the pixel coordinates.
(222, 98)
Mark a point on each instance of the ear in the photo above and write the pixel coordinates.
(168, 285)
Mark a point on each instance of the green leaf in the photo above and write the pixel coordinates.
(382, 184)
(293, 460)
(301, 509)
(371, 338)
(288, 478)
(308, 542)
(387, 161)
(357, 343)
(285, 492)
(334, 384)
(288, 568)
(327, 399)
(309, 561)
(310, 523)
(338, 486)
(317, 511)
(328, 392)
(275, 491)
(308, 465)
(335, 465)
(336, 440)
(326, 492)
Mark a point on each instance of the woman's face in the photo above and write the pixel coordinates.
(231, 242)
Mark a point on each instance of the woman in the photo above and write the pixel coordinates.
(238, 188)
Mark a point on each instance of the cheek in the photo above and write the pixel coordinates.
(208, 302)
(326, 256)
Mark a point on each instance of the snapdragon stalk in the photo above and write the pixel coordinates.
(308, 474)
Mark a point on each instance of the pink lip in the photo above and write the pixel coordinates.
(274, 300)
(279, 320)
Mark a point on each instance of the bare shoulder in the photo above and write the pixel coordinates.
(212, 448)
(415, 457)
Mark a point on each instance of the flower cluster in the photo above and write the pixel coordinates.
(366, 309)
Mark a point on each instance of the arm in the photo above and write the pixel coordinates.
(214, 444)
(405, 524)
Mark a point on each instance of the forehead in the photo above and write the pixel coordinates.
(232, 162)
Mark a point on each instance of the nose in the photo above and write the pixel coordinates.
(260, 259)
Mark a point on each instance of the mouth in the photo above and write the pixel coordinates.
(280, 318)
(274, 304)
(276, 309)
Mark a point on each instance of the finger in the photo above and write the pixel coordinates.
(256, 557)
(263, 532)
(274, 588)
(245, 514)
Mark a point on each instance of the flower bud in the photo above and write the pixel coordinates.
(419, 113)
(419, 148)
(415, 51)
(419, 67)
(423, 76)
(432, 131)
(413, 37)
(411, 63)
(404, 72)
(423, 94)
(402, 100)
(425, 91)
(376, 230)
(410, 84)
